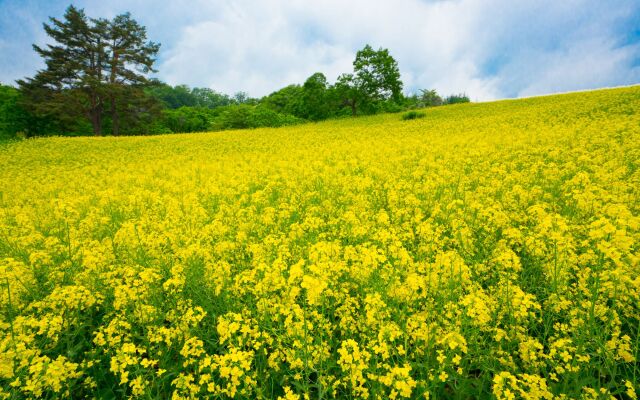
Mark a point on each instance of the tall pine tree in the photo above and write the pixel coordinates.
(131, 57)
(95, 66)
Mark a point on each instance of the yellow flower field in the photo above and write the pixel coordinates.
(484, 250)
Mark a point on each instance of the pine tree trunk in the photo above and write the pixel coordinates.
(115, 118)
(96, 122)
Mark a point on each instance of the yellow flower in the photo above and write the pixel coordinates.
(289, 395)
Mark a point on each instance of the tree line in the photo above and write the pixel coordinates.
(97, 80)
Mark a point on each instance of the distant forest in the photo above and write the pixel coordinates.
(97, 82)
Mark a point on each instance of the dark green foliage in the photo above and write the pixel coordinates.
(425, 98)
(96, 80)
(429, 98)
(71, 87)
(375, 79)
(130, 58)
(172, 96)
(246, 116)
(138, 113)
(12, 116)
(377, 74)
(182, 96)
(350, 95)
(95, 69)
(457, 98)
(236, 116)
(318, 100)
(389, 107)
(315, 100)
(187, 119)
(263, 117)
(209, 98)
(243, 98)
(413, 115)
(288, 100)
(16, 120)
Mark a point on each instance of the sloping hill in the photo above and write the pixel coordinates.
(485, 249)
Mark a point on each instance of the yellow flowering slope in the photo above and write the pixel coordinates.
(484, 250)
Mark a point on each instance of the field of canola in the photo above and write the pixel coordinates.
(486, 250)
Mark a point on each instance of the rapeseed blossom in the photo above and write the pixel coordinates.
(484, 250)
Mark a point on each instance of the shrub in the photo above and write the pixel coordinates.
(245, 116)
(430, 98)
(187, 119)
(413, 115)
(264, 117)
(457, 98)
(234, 117)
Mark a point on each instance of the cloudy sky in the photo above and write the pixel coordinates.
(487, 48)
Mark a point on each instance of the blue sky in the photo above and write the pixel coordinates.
(487, 48)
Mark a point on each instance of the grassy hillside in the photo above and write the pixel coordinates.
(486, 249)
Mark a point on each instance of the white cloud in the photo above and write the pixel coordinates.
(253, 48)
(486, 48)
(588, 64)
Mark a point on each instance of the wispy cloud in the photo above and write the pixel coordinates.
(488, 49)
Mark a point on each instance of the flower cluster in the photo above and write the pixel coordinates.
(484, 250)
